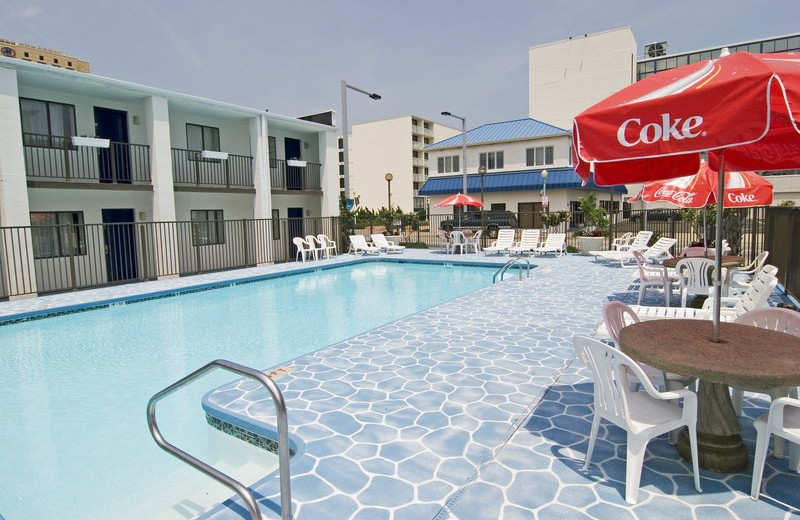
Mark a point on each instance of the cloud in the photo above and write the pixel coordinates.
(30, 12)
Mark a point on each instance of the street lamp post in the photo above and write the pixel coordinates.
(482, 172)
(389, 178)
(345, 146)
(463, 148)
(545, 201)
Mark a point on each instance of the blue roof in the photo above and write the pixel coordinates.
(557, 178)
(503, 131)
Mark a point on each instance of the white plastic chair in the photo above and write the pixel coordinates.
(315, 246)
(328, 244)
(554, 243)
(772, 318)
(304, 251)
(695, 276)
(505, 239)
(740, 277)
(653, 275)
(643, 415)
(527, 242)
(457, 240)
(782, 420)
(474, 242)
(380, 241)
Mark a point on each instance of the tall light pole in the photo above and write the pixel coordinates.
(345, 130)
(482, 172)
(389, 178)
(463, 148)
(545, 201)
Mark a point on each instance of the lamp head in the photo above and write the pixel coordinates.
(375, 96)
(388, 177)
(481, 170)
(544, 175)
(446, 113)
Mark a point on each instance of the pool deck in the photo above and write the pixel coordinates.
(474, 409)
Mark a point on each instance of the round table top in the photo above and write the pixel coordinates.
(727, 260)
(746, 356)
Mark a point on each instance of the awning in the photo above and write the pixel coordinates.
(525, 180)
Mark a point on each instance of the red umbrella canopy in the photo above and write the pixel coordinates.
(746, 105)
(742, 189)
(459, 199)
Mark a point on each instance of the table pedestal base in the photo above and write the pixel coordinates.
(719, 445)
(715, 453)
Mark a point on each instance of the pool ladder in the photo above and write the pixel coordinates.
(235, 485)
(508, 265)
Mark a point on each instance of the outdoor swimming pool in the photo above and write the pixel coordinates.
(75, 441)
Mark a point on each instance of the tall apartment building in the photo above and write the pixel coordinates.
(395, 146)
(36, 54)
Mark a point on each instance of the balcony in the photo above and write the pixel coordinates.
(56, 158)
(295, 178)
(190, 168)
(419, 177)
(415, 161)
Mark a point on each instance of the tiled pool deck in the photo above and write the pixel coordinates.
(474, 409)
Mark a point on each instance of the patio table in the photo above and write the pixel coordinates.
(745, 356)
(727, 260)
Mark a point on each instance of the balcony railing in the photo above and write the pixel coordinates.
(191, 169)
(51, 157)
(284, 177)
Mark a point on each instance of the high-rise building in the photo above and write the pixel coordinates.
(36, 54)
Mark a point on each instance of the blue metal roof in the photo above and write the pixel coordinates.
(557, 178)
(503, 131)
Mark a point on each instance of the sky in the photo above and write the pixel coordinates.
(423, 57)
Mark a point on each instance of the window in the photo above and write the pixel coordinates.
(208, 227)
(448, 164)
(273, 154)
(47, 124)
(201, 138)
(276, 224)
(498, 206)
(491, 160)
(539, 156)
(53, 236)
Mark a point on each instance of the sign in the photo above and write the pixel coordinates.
(350, 204)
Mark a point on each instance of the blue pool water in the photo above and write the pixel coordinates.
(74, 439)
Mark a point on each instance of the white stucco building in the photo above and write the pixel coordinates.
(514, 154)
(80, 149)
(395, 146)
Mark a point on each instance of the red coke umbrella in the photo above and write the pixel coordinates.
(743, 109)
(459, 199)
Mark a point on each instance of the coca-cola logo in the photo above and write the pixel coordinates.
(741, 198)
(677, 196)
(665, 130)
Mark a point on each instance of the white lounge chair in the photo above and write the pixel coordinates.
(358, 244)
(622, 241)
(740, 277)
(643, 415)
(380, 241)
(527, 242)
(782, 420)
(657, 251)
(554, 243)
(756, 297)
(505, 239)
(639, 243)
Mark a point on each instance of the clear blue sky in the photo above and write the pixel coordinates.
(469, 57)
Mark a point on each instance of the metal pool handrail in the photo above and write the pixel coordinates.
(236, 486)
(508, 266)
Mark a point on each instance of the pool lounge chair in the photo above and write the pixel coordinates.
(657, 251)
(505, 239)
(380, 241)
(358, 244)
(527, 242)
(554, 243)
(756, 297)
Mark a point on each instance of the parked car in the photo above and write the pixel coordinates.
(657, 214)
(490, 222)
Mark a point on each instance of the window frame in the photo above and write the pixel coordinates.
(207, 231)
(492, 160)
(448, 164)
(59, 234)
(538, 156)
(213, 146)
(49, 140)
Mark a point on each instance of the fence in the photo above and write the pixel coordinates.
(782, 229)
(53, 258)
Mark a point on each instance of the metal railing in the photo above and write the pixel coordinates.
(55, 258)
(300, 178)
(782, 229)
(55, 158)
(191, 169)
(508, 265)
(222, 478)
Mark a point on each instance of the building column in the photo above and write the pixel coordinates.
(165, 231)
(329, 155)
(262, 230)
(16, 260)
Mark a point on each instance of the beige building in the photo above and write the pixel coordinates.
(395, 146)
(36, 54)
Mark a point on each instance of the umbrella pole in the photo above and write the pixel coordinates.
(718, 247)
(705, 229)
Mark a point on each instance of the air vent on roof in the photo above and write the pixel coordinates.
(654, 50)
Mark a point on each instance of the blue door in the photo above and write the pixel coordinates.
(119, 234)
(294, 174)
(115, 161)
